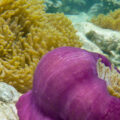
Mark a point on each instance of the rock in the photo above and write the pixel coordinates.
(8, 99)
(95, 9)
(52, 5)
(89, 45)
(100, 40)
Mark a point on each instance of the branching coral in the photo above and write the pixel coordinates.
(110, 21)
(26, 34)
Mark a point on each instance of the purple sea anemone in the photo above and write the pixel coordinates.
(67, 86)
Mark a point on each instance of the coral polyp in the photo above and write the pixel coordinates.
(69, 85)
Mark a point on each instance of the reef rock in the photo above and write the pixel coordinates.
(100, 40)
(8, 98)
(52, 5)
(89, 45)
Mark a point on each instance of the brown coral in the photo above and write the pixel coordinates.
(110, 21)
(26, 34)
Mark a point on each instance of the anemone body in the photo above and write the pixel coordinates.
(67, 87)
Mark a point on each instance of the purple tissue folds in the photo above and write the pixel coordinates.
(66, 86)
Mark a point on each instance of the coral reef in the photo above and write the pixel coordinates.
(26, 34)
(8, 98)
(90, 45)
(52, 5)
(95, 9)
(72, 6)
(96, 39)
(69, 86)
(66, 6)
(110, 21)
(76, 6)
(110, 5)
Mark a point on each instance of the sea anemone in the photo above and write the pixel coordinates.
(69, 85)
(26, 34)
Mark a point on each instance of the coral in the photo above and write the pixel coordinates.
(26, 34)
(66, 6)
(103, 41)
(52, 5)
(110, 5)
(72, 6)
(110, 43)
(69, 84)
(110, 21)
(96, 9)
(76, 6)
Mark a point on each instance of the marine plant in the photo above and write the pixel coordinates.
(71, 84)
(27, 32)
(109, 21)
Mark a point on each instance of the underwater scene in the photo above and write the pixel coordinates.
(59, 59)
